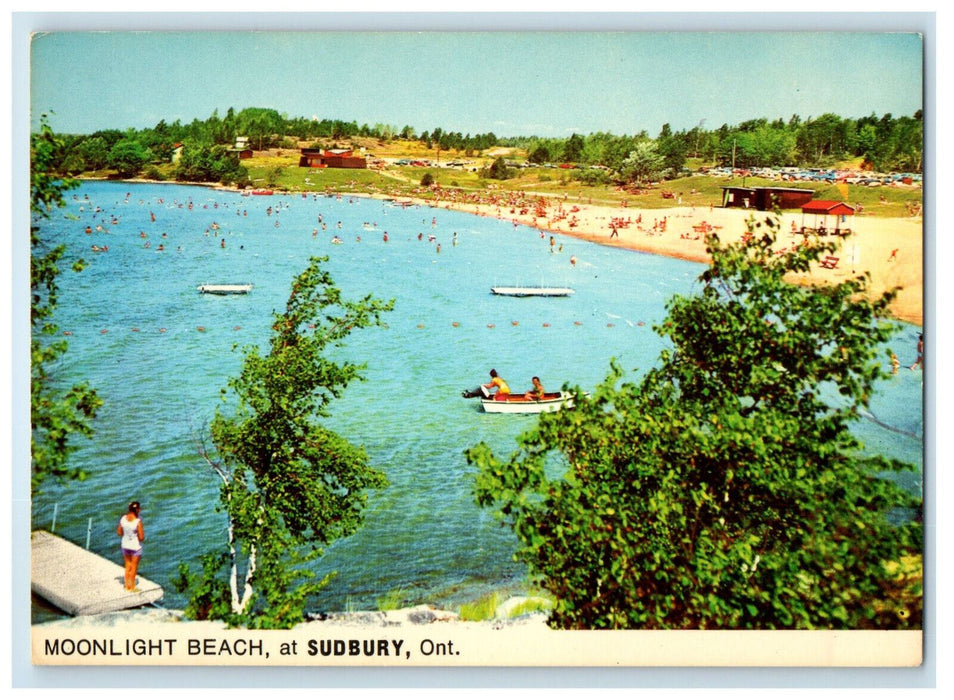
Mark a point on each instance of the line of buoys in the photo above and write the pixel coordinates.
(136, 329)
(455, 324)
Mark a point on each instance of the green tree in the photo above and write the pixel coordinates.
(673, 150)
(57, 414)
(539, 153)
(822, 139)
(273, 176)
(765, 146)
(95, 152)
(724, 489)
(288, 485)
(261, 124)
(210, 164)
(498, 170)
(573, 149)
(643, 163)
(128, 157)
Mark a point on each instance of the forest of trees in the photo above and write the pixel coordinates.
(885, 144)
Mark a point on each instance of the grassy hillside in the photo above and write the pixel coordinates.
(278, 169)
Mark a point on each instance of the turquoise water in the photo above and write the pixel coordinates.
(158, 352)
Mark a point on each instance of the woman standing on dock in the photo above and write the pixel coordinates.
(130, 529)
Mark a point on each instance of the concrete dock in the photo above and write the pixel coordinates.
(80, 582)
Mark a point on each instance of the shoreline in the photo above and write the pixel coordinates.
(888, 249)
(506, 614)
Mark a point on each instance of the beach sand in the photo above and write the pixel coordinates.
(890, 250)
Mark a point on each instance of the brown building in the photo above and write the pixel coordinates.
(335, 158)
(766, 198)
(242, 148)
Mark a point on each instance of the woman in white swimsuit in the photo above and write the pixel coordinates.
(130, 529)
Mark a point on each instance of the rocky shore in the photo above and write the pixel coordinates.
(416, 616)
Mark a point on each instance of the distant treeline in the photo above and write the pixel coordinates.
(884, 143)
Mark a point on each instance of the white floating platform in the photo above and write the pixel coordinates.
(224, 288)
(532, 291)
(80, 582)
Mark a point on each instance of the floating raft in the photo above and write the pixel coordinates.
(532, 291)
(225, 288)
(80, 582)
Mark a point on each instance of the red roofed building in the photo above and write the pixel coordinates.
(824, 208)
(335, 158)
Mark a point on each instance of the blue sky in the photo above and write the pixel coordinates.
(510, 83)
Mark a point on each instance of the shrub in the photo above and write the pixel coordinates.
(725, 489)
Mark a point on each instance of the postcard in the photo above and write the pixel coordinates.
(578, 347)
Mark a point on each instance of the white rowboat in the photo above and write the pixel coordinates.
(516, 403)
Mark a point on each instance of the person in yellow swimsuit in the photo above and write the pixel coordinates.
(497, 382)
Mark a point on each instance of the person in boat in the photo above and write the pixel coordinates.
(497, 383)
(537, 392)
(130, 529)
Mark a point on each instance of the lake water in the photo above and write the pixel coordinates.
(158, 352)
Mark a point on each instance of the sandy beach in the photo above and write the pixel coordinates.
(890, 250)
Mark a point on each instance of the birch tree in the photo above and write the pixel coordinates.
(58, 414)
(288, 485)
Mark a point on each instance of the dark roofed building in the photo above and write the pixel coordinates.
(766, 198)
